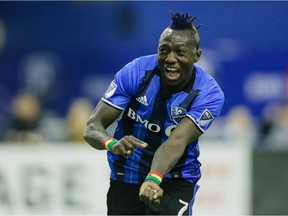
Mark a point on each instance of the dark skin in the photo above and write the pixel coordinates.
(177, 53)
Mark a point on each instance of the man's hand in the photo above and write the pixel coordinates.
(125, 145)
(150, 193)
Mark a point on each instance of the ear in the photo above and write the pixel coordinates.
(197, 55)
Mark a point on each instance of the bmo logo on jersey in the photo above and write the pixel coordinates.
(149, 125)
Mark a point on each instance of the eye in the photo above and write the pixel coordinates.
(181, 52)
(163, 50)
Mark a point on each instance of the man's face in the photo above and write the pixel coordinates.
(177, 53)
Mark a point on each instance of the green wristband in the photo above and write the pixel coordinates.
(109, 143)
(149, 177)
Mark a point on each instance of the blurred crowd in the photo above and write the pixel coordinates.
(267, 132)
(44, 71)
(30, 122)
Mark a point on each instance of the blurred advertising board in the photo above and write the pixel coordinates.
(69, 178)
(52, 179)
(225, 186)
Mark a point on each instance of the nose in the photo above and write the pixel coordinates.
(170, 58)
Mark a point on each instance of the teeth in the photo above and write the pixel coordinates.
(171, 69)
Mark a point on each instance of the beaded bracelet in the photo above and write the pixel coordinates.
(108, 143)
(154, 176)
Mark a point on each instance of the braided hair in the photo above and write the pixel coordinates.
(183, 21)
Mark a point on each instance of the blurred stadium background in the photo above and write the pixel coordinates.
(56, 60)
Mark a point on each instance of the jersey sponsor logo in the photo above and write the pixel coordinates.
(149, 125)
(177, 113)
(142, 100)
(205, 118)
(111, 89)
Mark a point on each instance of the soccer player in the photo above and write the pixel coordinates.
(164, 103)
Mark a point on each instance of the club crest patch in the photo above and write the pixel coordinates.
(111, 89)
(205, 118)
(177, 114)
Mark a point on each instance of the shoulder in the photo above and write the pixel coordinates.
(131, 75)
(140, 65)
(135, 70)
(206, 83)
(209, 102)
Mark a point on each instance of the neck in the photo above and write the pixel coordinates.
(168, 90)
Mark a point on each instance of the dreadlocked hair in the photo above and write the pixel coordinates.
(182, 21)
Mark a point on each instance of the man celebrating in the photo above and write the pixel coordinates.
(165, 103)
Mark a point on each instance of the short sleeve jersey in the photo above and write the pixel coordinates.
(151, 117)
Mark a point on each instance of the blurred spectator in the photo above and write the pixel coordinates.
(269, 117)
(30, 123)
(53, 127)
(76, 118)
(25, 119)
(274, 129)
(239, 123)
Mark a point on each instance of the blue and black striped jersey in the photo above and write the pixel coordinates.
(151, 116)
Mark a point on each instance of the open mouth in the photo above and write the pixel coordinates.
(172, 73)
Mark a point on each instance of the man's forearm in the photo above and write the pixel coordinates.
(94, 136)
(166, 157)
